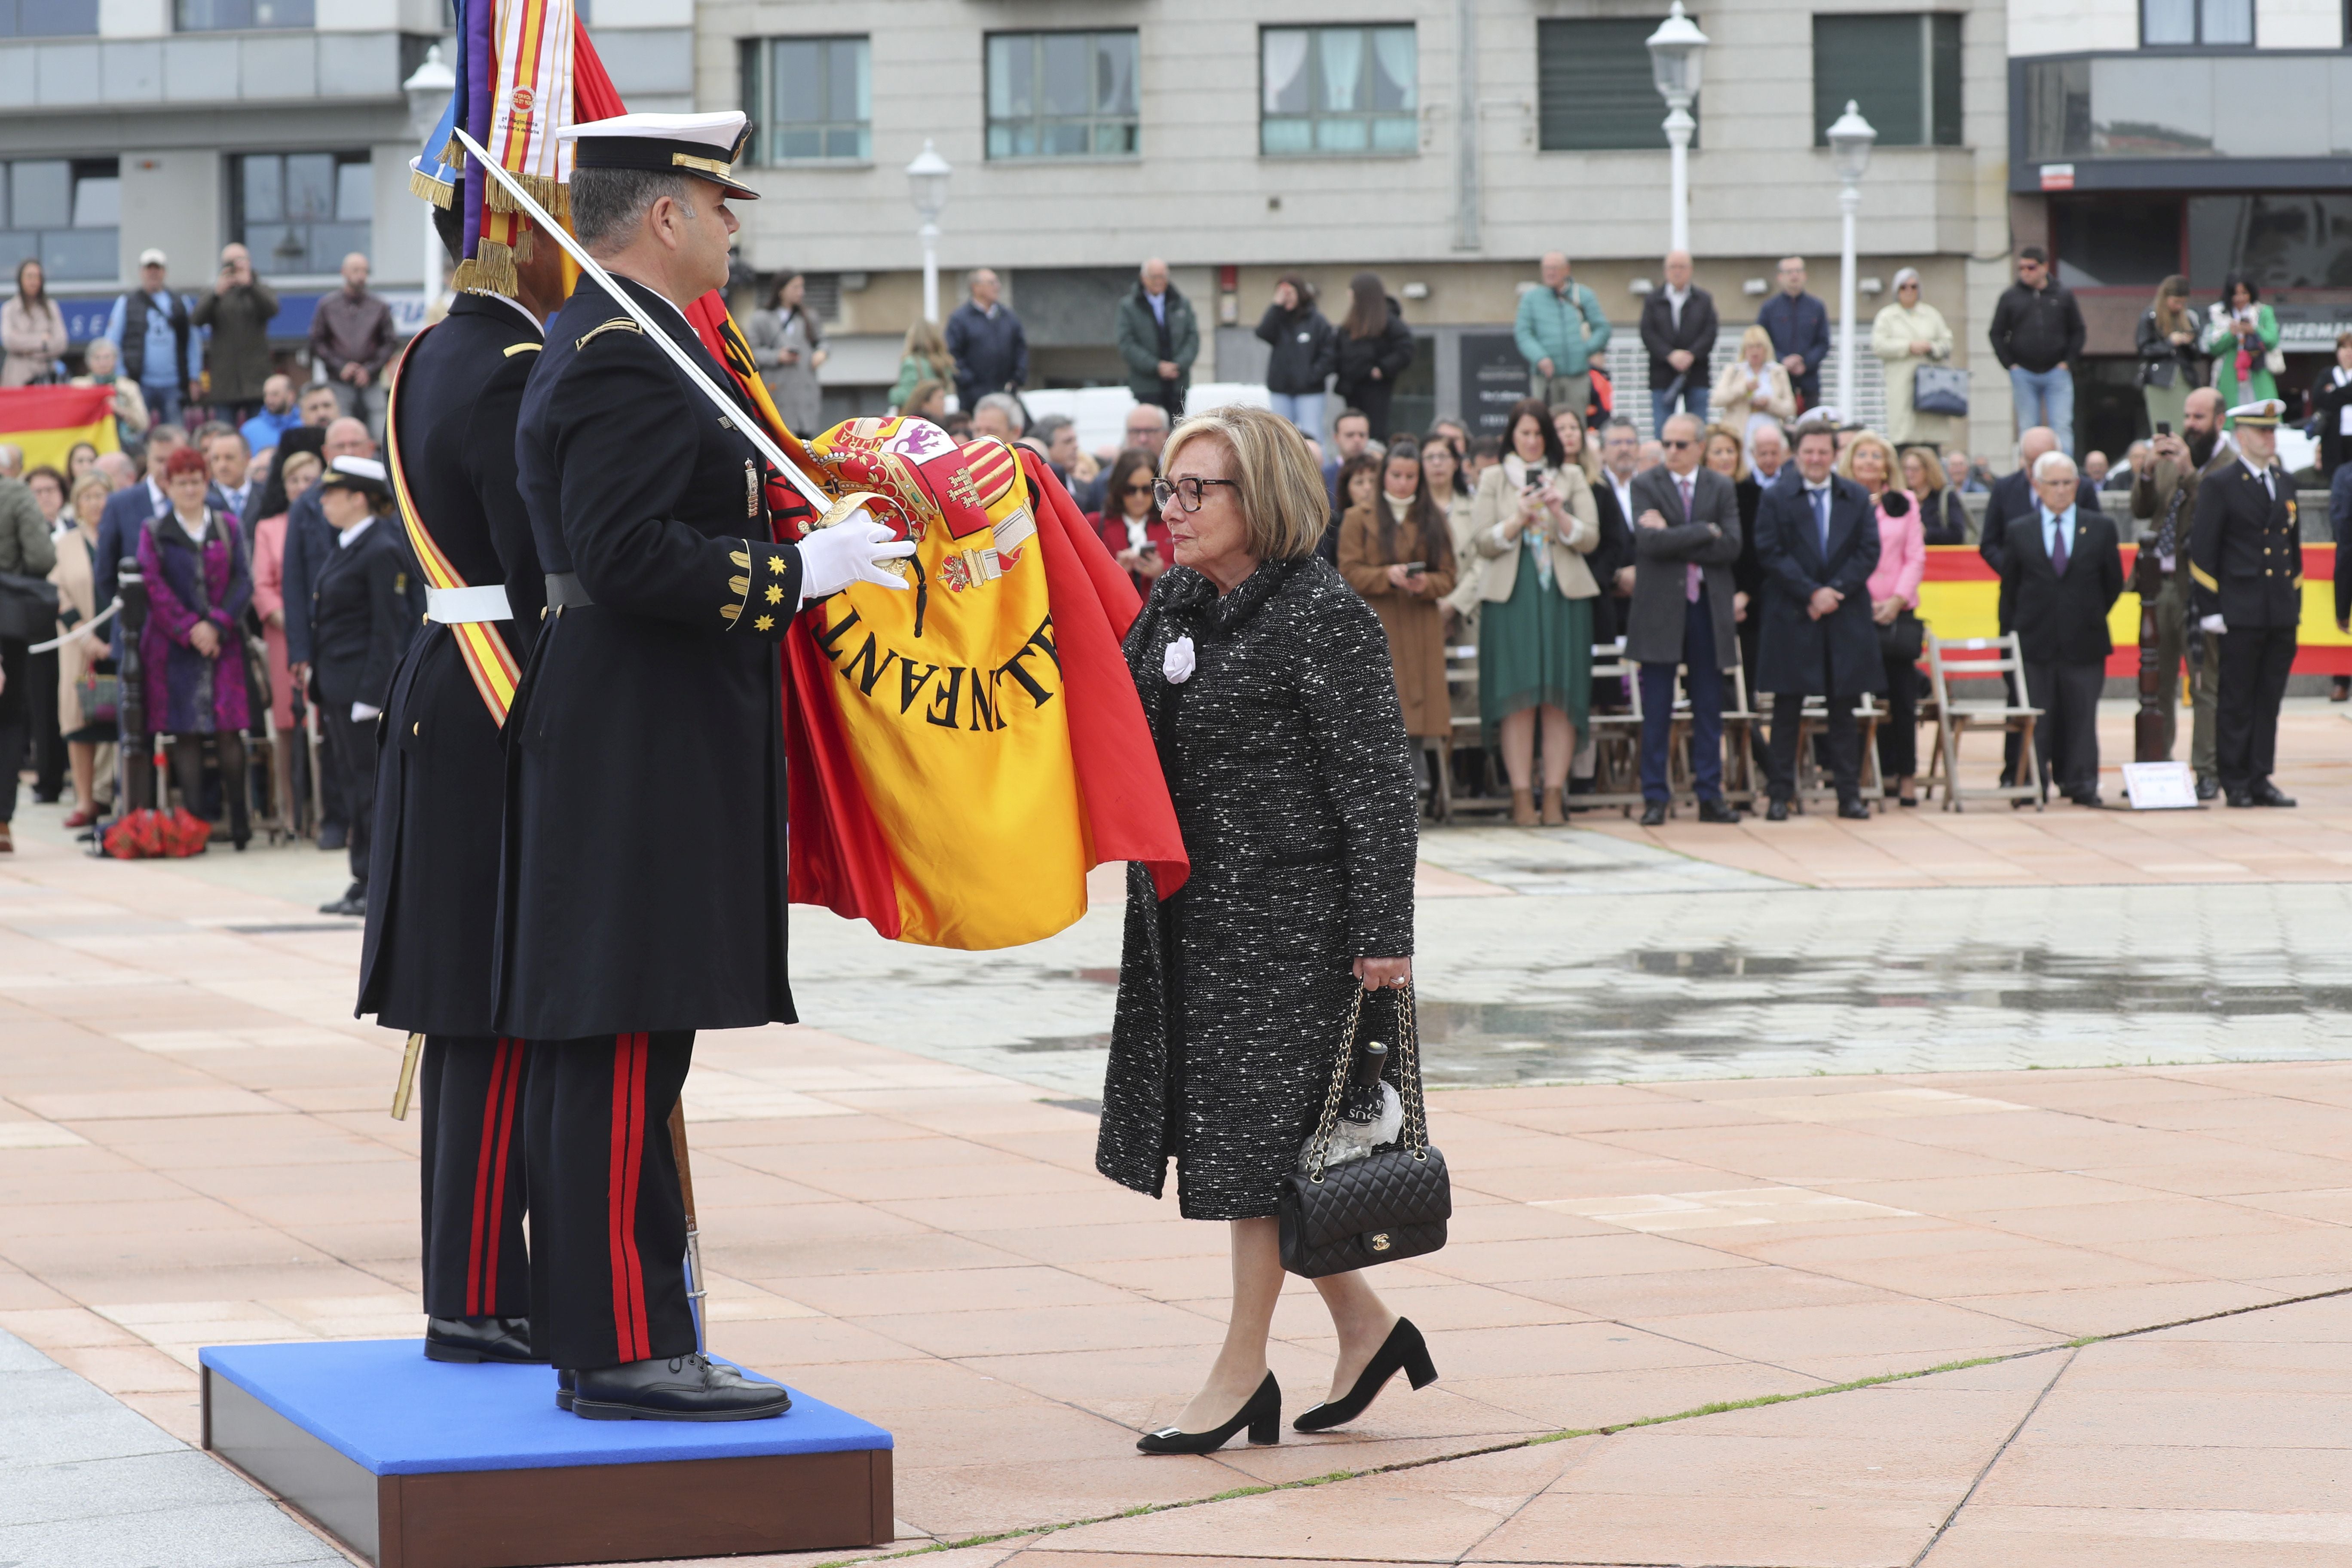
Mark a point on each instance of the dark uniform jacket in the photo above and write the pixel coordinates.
(2062, 619)
(433, 875)
(2244, 557)
(643, 878)
(1792, 647)
(360, 619)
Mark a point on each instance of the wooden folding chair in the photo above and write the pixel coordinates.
(1469, 738)
(1616, 737)
(1978, 660)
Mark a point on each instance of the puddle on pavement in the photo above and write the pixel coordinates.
(1729, 1007)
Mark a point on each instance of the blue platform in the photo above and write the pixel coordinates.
(380, 1404)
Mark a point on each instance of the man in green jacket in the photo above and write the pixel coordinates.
(1560, 331)
(1159, 339)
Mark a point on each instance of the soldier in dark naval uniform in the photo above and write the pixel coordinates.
(361, 619)
(433, 888)
(2245, 560)
(643, 890)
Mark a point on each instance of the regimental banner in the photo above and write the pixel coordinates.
(1960, 597)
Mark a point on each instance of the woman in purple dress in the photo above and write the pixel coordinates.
(199, 580)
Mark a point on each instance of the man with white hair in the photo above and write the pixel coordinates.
(1679, 328)
(998, 414)
(1159, 337)
(1562, 331)
(2063, 573)
(2011, 502)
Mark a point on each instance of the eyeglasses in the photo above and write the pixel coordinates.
(1143, 489)
(1188, 488)
(1676, 445)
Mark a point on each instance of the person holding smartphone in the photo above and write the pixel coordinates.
(1533, 522)
(1397, 551)
(238, 311)
(1130, 524)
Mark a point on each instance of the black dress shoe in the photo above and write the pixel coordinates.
(1262, 1415)
(1777, 812)
(1717, 811)
(1855, 810)
(2208, 787)
(353, 903)
(1404, 1350)
(1653, 815)
(689, 1388)
(332, 836)
(2089, 797)
(467, 1340)
(2268, 794)
(2239, 797)
(566, 1380)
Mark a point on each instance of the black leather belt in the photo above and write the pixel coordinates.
(564, 591)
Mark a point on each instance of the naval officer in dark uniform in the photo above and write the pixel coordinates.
(2245, 563)
(432, 890)
(361, 619)
(643, 890)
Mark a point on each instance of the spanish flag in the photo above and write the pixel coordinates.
(48, 422)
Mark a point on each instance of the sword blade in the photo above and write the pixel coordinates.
(694, 372)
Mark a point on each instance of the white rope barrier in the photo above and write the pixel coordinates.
(82, 630)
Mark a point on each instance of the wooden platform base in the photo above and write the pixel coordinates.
(413, 1464)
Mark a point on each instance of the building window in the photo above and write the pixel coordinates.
(1903, 71)
(1337, 90)
(1594, 92)
(237, 15)
(810, 98)
(47, 18)
(1062, 95)
(302, 212)
(2197, 22)
(2115, 241)
(63, 213)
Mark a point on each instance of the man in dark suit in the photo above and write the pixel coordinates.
(1798, 325)
(2063, 575)
(1685, 538)
(1678, 328)
(433, 889)
(309, 544)
(2012, 498)
(2245, 563)
(623, 929)
(1816, 546)
(359, 622)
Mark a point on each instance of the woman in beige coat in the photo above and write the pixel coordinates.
(1907, 335)
(78, 595)
(1754, 388)
(1532, 523)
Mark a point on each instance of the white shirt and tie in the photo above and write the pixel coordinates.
(1817, 500)
(2058, 538)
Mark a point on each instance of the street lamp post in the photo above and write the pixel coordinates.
(428, 88)
(1676, 51)
(1850, 141)
(927, 181)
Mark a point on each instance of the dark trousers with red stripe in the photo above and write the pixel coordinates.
(607, 1220)
(474, 1183)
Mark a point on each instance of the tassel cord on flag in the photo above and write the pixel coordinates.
(653, 329)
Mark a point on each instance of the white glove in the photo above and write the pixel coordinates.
(851, 551)
(2212, 623)
(363, 712)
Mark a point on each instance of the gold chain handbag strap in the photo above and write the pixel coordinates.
(1330, 1119)
(1416, 1111)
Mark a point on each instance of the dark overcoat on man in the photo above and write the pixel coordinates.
(644, 877)
(2012, 500)
(1794, 652)
(1662, 334)
(2062, 617)
(441, 782)
(1709, 539)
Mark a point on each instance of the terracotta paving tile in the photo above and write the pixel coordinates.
(1567, 1257)
(1927, 1331)
(1031, 1330)
(1576, 1402)
(2115, 1309)
(2036, 1473)
(2029, 1538)
(1783, 1532)
(2312, 1250)
(951, 1291)
(1349, 1519)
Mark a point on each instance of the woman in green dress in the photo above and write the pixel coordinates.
(2242, 335)
(1532, 523)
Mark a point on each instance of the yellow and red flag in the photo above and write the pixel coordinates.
(48, 422)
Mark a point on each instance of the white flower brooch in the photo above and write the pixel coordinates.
(1176, 661)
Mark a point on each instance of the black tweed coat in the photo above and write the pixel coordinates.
(1287, 758)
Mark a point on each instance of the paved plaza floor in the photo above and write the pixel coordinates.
(1816, 1205)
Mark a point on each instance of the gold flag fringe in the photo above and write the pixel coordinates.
(421, 184)
(546, 191)
(490, 270)
(453, 155)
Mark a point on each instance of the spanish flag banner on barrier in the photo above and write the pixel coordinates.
(48, 422)
(1960, 597)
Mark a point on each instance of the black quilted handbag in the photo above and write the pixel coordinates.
(1393, 1202)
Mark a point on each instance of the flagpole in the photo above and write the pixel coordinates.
(653, 329)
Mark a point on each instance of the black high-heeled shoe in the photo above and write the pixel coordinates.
(1404, 1350)
(1262, 1415)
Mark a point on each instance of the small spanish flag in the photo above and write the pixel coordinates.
(47, 421)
